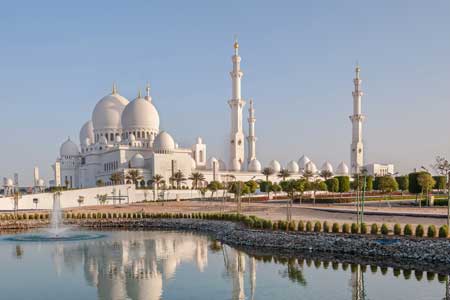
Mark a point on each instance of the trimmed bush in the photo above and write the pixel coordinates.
(317, 227)
(326, 227)
(419, 230)
(397, 229)
(354, 228)
(345, 228)
(407, 230)
(275, 226)
(301, 226)
(292, 226)
(309, 226)
(443, 231)
(282, 225)
(384, 229)
(431, 233)
(335, 228)
(374, 228)
(364, 229)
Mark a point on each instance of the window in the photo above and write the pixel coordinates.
(111, 137)
(201, 156)
(143, 134)
(138, 134)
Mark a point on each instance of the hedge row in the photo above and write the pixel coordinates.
(35, 216)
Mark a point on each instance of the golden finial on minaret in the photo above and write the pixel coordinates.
(236, 45)
(114, 88)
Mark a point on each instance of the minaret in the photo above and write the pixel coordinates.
(236, 104)
(357, 147)
(251, 133)
(147, 95)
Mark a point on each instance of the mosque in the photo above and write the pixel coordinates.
(124, 135)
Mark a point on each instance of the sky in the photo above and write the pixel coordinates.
(58, 58)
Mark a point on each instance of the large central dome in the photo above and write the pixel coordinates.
(108, 111)
(140, 114)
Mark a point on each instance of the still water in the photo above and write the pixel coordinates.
(172, 265)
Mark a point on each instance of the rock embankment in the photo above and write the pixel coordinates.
(419, 253)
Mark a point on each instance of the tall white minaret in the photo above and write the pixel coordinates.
(236, 104)
(357, 147)
(251, 133)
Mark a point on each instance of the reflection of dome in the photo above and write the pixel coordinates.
(69, 148)
(342, 169)
(327, 167)
(213, 162)
(87, 131)
(275, 165)
(292, 167)
(163, 143)
(140, 114)
(302, 162)
(108, 111)
(311, 167)
(222, 165)
(137, 161)
(254, 165)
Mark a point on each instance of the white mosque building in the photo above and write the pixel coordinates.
(123, 135)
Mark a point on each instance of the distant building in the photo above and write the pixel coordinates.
(379, 169)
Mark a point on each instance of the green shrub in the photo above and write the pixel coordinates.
(335, 228)
(301, 226)
(397, 229)
(384, 229)
(443, 231)
(317, 226)
(275, 226)
(292, 226)
(407, 230)
(326, 227)
(283, 225)
(419, 230)
(431, 233)
(309, 226)
(345, 228)
(354, 228)
(374, 228)
(364, 228)
(83, 215)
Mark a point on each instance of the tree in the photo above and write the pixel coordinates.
(403, 183)
(80, 200)
(308, 174)
(116, 178)
(99, 182)
(441, 182)
(426, 182)
(179, 178)
(326, 174)
(265, 187)
(344, 184)
(332, 185)
(252, 186)
(291, 188)
(317, 185)
(284, 173)
(442, 166)
(369, 183)
(214, 186)
(134, 176)
(387, 184)
(275, 188)
(35, 201)
(268, 172)
(196, 178)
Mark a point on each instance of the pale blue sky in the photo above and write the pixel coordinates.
(58, 58)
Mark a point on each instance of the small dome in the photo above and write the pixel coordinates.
(342, 169)
(137, 161)
(103, 140)
(163, 143)
(193, 164)
(87, 131)
(41, 182)
(327, 167)
(275, 165)
(292, 167)
(222, 165)
(213, 162)
(311, 167)
(118, 139)
(131, 138)
(9, 182)
(142, 114)
(302, 162)
(69, 148)
(254, 166)
(108, 112)
(236, 165)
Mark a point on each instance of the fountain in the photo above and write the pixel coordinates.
(56, 231)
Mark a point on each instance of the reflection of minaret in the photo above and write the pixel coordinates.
(357, 147)
(236, 104)
(238, 278)
(201, 255)
(252, 277)
(251, 133)
(358, 292)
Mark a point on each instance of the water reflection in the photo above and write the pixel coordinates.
(144, 265)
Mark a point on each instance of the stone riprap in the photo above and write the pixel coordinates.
(411, 253)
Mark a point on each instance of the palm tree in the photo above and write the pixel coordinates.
(116, 178)
(326, 174)
(178, 177)
(156, 181)
(134, 175)
(196, 178)
(284, 173)
(268, 172)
